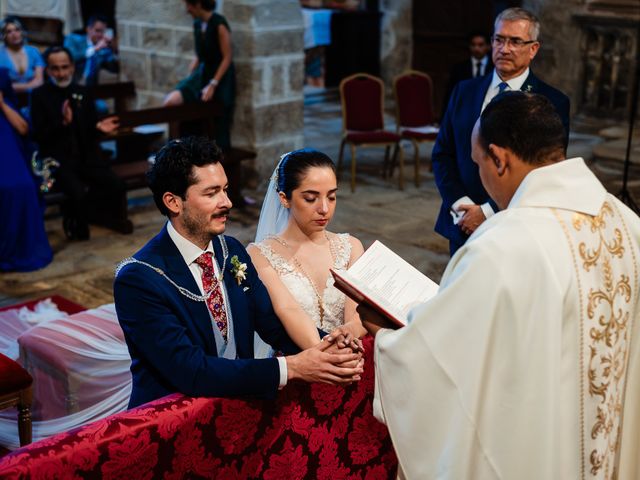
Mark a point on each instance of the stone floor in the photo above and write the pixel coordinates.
(403, 220)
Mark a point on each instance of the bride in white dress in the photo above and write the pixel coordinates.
(293, 250)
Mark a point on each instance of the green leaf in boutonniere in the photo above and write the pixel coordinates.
(239, 269)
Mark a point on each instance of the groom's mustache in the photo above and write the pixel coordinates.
(221, 213)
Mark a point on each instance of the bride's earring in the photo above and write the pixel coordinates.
(283, 200)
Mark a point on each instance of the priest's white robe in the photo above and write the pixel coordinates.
(526, 364)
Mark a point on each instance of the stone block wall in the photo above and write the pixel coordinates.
(156, 48)
(269, 59)
(559, 61)
(564, 51)
(397, 38)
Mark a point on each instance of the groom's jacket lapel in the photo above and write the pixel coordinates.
(179, 272)
(238, 303)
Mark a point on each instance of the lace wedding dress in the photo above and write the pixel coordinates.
(303, 291)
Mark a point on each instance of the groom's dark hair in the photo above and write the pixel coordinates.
(172, 169)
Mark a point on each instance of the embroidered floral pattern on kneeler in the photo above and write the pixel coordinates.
(211, 286)
(603, 253)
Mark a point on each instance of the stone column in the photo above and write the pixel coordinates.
(397, 38)
(269, 59)
(156, 47)
(558, 62)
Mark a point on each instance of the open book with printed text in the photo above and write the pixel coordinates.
(384, 281)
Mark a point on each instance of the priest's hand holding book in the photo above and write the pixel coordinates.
(385, 286)
(373, 321)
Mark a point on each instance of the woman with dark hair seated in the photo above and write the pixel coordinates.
(294, 251)
(212, 72)
(23, 61)
(23, 241)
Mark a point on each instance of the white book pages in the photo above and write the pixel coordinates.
(385, 281)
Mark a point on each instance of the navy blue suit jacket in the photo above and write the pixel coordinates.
(170, 337)
(104, 59)
(455, 172)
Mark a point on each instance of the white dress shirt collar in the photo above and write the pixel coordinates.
(189, 251)
(493, 90)
(514, 84)
(483, 65)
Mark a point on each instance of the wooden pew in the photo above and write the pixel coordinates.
(132, 161)
(43, 31)
(119, 92)
(133, 171)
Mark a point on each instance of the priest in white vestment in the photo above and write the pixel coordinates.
(526, 364)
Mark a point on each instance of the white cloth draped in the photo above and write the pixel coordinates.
(65, 10)
(80, 364)
(486, 381)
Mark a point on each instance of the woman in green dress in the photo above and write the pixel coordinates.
(212, 73)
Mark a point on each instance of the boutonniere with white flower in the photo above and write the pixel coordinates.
(239, 269)
(528, 89)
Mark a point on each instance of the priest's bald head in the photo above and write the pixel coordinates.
(516, 133)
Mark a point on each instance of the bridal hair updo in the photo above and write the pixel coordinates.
(294, 166)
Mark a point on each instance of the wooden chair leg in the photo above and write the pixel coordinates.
(340, 158)
(24, 416)
(399, 152)
(385, 166)
(416, 161)
(353, 168)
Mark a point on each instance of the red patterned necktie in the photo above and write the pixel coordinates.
(211, 286)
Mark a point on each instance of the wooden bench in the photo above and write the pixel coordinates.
(133, 170)
(119, 92)
(133, 150)
(43, 31)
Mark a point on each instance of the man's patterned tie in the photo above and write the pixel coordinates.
(210, 283)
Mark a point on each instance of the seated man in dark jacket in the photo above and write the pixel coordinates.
(65, 127)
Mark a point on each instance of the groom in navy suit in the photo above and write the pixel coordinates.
(465, 202)
(190, 300)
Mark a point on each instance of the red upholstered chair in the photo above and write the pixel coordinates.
(15, 391)
(362, 98)
(413, 91)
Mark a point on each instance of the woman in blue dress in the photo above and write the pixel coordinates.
(23, 241)
(24, 62)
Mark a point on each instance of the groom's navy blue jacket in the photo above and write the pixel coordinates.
(170, 337)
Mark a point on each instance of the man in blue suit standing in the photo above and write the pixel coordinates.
(190, 300)
(465, 202)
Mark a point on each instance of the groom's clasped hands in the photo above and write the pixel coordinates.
(336, 359)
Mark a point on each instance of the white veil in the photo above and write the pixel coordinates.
(273, 219)
(273, 216)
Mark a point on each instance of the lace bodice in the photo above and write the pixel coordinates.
(302, 290)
